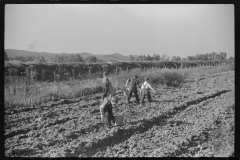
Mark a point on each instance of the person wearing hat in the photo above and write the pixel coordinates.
(106, 110)
(134, 82)
(107, 87)
(145, 91)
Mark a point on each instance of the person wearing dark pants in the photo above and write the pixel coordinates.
(108, 115)
(130, 95)
(106, 111)
(145, 91)
(134, 82)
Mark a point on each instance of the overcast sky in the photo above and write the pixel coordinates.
(171, 29)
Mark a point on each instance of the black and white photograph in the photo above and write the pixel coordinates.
(119, 80)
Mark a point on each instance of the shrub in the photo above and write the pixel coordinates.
(166, 77)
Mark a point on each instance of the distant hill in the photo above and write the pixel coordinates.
(86, 54)
(115, 57)
(14, 52)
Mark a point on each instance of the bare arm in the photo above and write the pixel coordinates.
(151, 88)
(101, 112)
(127, 82)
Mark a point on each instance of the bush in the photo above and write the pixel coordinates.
(168, 78)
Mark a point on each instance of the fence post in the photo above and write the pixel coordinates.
(73, 73)
(54, 75)
(31, 75)
(42, 74)
(89, 74)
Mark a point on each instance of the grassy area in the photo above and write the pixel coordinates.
(21, 91)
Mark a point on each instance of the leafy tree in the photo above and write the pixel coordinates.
(156, 57)
(78, 58)
(40, 59)
(209, 55)
(131, 58)
(101, 60)
(197, 57)
(214, 56)
(63, 58)
(174, 58)
(178, 58)
(184, 59)
(149, 58)
(144, 58)
(231, 58)
(206, 56)
(223, 55)
(218, 57)
(191, 58)
(141, 58)
(164, 57)
(167, 59)
(91, 59)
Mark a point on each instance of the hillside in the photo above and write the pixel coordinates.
(86, 54)
(115, 57)
(15, 52)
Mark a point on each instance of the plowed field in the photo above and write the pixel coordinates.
(196, 119)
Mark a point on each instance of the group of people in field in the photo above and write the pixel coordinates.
(110, 99)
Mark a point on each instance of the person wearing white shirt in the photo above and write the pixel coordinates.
(145, 91)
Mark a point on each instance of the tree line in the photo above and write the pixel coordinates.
(59, 58)
(70, 58)
(204, 57)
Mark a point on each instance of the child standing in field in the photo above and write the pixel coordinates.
(145, 91)
(106, 111)
(126, 89)
(134, 83)
(107, 87)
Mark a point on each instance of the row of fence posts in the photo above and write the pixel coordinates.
(127, 69)
(205, 64)
(55, 75)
